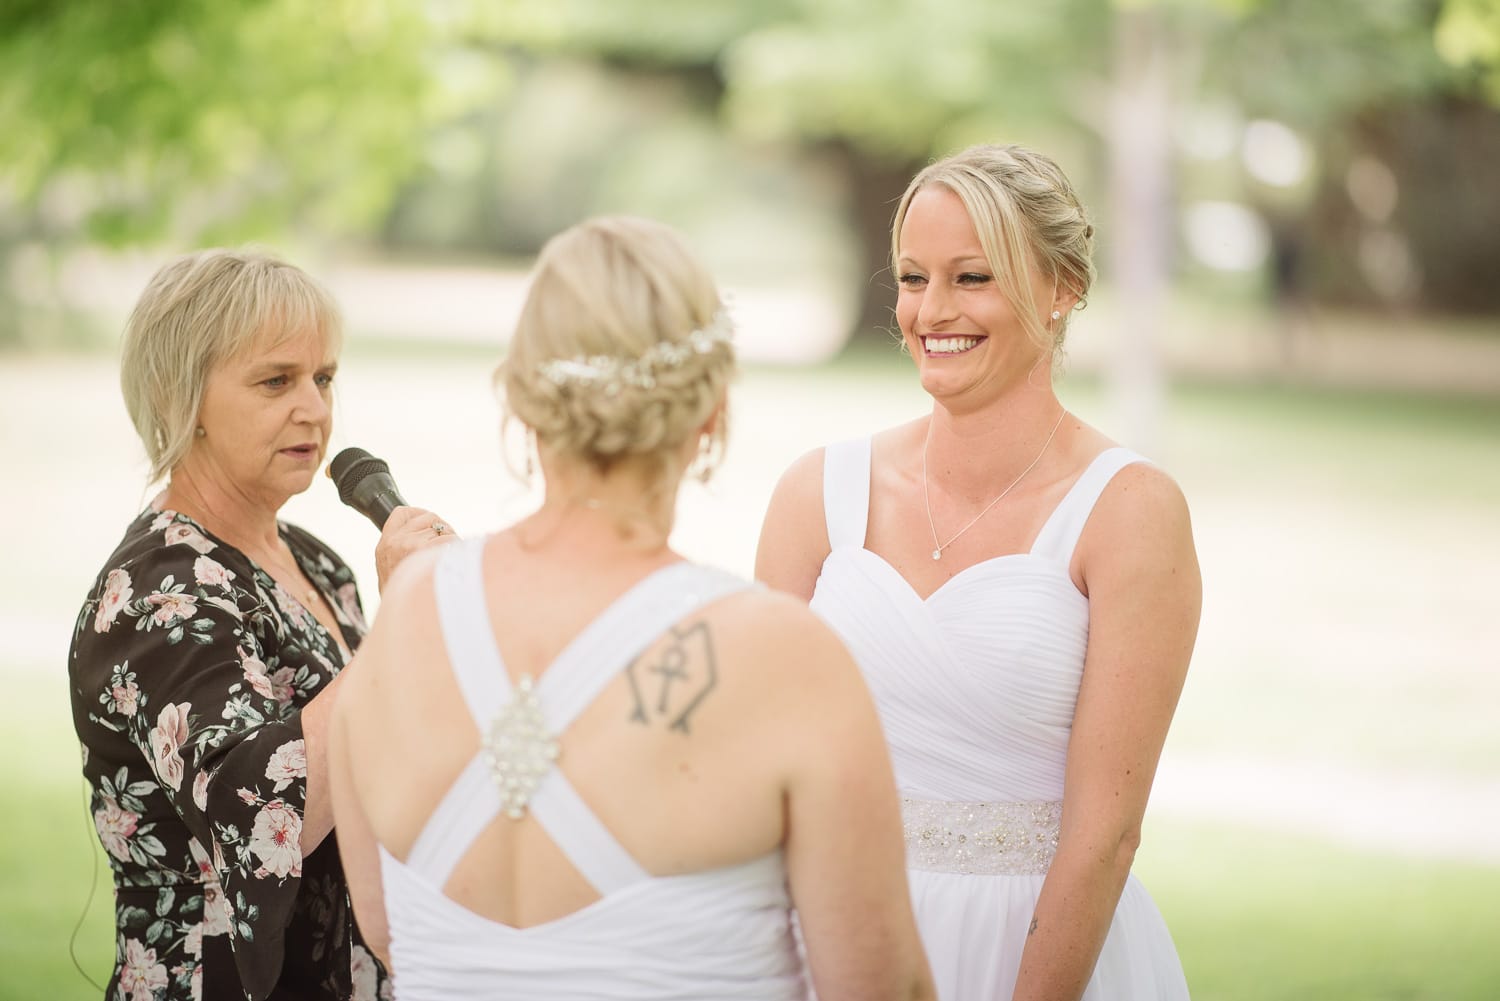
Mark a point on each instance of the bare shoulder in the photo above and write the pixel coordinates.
(778, 634)
(794, 534)
(802, 483)
(1139, 532)
(405, 603)
(1140, 494)
(413, 575)
(781, 618)
(801, 486)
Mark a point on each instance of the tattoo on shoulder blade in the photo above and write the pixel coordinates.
(682, 674)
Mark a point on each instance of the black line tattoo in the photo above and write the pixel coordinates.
(685, 671)
(1030, 930)
(638, 714)
(672, 667)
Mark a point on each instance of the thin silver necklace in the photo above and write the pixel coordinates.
(937, 553)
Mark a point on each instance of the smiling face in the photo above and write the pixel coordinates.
(965, 335)
(266, 417)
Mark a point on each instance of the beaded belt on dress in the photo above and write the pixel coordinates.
(992, 839)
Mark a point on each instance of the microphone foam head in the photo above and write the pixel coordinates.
(350, 467)
(344, 460)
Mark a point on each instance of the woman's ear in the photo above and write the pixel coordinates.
(1063, 300)
(708, 450)
(716, 417)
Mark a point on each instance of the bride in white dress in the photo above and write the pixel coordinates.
(572, 764)
(1021, 593)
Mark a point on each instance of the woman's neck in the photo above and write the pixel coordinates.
(968, 451)
(229, 514)
(624, 510)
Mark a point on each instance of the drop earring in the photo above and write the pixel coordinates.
(706, 461)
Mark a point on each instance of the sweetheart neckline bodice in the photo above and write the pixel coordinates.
(961, 577)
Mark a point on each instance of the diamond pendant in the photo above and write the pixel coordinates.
(937, 554)
(519, 749)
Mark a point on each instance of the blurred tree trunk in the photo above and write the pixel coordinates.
(875, 187)
(1431, 240)
(10, 320)
(1140, 186)
(1445, 155)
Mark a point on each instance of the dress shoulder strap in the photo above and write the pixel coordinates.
(1059, 536)
(846, 492)
(458, 586)
(472, 801)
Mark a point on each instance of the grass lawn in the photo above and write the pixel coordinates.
(1260, 917)
(49, 855)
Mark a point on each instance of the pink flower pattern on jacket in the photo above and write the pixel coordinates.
(189, 670)
(170, 733)
(116, 594)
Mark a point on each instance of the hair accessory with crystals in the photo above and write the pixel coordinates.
(611, 374)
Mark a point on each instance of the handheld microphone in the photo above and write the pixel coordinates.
(365, 484)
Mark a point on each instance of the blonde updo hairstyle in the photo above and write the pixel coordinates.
(609, 290)
(1027, 216)
(196, 312)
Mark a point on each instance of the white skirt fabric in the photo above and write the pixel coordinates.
(974, 928)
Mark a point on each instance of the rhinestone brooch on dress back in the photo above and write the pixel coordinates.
(519, 749)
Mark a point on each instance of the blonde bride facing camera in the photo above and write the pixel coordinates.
(575, 764)
(1021, 592)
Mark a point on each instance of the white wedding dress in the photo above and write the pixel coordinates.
(976, 688)
(717, 934)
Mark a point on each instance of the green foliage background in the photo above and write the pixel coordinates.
(224, 120)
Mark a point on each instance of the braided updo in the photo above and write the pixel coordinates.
(1026, 215)
(611, 293)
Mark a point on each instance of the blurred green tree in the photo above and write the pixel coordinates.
(1468, 35)
(1109, 86)
(224, 121)
(880, 86)
(213, 122)
(873, 87)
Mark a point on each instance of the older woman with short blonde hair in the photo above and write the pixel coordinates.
(209, 651)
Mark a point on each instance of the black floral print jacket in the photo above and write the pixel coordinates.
(189, 669)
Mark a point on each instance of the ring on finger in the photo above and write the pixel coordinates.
(438, 528)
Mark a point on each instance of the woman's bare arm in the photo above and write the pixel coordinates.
(1145, 593)
(357, 844)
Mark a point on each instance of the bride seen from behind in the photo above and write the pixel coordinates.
(574, 764)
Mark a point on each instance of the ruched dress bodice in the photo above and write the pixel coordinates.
(996, 679)
(716, 934)
(976, 687)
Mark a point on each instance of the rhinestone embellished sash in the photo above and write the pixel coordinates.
(992, 839)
